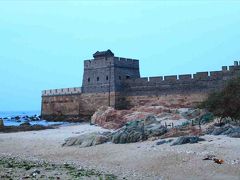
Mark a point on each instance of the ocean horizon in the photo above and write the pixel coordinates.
(9, 118)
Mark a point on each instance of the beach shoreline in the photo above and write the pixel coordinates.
(142, 160)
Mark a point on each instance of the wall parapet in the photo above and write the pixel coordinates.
(199, 76)
(63, 91)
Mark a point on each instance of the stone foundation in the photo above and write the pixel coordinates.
(75, 107)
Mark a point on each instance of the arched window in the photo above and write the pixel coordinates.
(107, 78)
(88, 79)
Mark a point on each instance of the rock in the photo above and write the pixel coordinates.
(187, 139)
(87, 140)
(161, 142)
(110, 118)
(191, 113)
(136, 131)
(164, 142)
(235, 133)
(25, 124)
(1, 123)
(228, 130)
(150, 120)
(221, 130)
(17, 117)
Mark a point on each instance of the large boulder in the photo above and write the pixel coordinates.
(87, 140)
(187, 139)
(191, 113)
(109, 118)
(139, 130)
(228, 130)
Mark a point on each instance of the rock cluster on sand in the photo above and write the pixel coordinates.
(109, 118)
(187, 139)
(134, 131)
(139, 130)
(24, 127)
(227, 129)
(87, 140)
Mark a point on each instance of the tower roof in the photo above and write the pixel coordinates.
(100, 54)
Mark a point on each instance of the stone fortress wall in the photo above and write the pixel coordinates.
(105, 74)
(113, 81)
(199, 82)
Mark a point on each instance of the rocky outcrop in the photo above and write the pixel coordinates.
(135, 131)
(139, 131)
(110, 118)
(24, 127)
(187, 139)
(87, 140)
(229, 130)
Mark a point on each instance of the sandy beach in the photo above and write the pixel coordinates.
(143, 160)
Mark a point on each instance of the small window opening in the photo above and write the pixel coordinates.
(97, 78)
(127, 77)
(107, 78)
(120, 77)
(88, 79)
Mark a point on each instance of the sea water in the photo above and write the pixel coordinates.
(8, 121)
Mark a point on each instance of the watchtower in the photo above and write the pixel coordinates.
(106, 73)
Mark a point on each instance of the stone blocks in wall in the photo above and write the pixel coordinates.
(185, 77)
(156, 79)
(126, 62)
(216, 74)
(141, 80)
(78, 106)
(201, 76)
(224, 68)
(170, 78)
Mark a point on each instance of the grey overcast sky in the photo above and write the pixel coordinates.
(43, 43)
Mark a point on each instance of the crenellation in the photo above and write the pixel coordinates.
(235, 63)
(63, 91)
(126, 62)
(172, 78)
(157, 79)
(224, 68)
(216, 74)
(141, 80)
(185, 77)
(201, 76)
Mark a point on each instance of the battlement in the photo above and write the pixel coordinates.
(63, 91)
(126, 62)
(111, 61)
(224, 74)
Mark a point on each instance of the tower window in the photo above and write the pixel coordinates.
(88, 80)
(107, 78)
(120, 77)
(97, 78)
